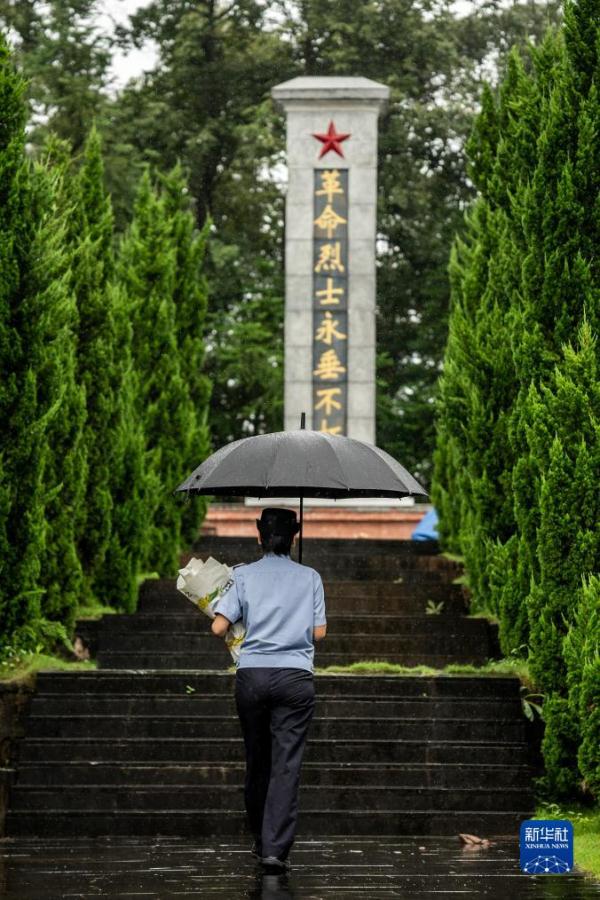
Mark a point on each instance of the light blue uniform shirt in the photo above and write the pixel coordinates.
(280, 602)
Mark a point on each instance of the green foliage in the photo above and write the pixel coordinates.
(36, 387)
(102, 384)
(66, 469)
(191, 303)
(564, 437)
(23, 666)
(171, 423)
(581, 652)
(112, 535)
(65, 60)
(518, 455)
(247, 368)
(559, 748)
(206, 104)
(133, 487)
(90, 236)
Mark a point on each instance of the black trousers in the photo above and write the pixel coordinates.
(275, 707)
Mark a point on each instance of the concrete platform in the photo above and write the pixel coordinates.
(334, 869)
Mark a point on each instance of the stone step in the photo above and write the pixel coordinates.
(116, 626)
(386, 568)
(396, 727)
(122, 659)
(380, 589)
(447, 775)
(356, 567)
(337, 567)
(415, 637)
(218, 658)
(151, 682)
(213, 704)
(398, 599)
(243, 549)
(319, 750)
(206, 822)
(317, 797)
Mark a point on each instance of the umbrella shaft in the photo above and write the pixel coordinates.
(301, 517)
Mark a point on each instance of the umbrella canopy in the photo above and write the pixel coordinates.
(301, 463)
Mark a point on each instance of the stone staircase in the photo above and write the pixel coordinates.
(376, 602)
(150, 743)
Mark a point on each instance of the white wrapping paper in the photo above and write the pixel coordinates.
(203, 582)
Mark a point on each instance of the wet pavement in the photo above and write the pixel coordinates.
(157, 868)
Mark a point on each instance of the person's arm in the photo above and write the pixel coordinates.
(219, 625)
(228, 610)
(319, 619)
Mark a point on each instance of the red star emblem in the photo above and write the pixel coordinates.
(331, 141)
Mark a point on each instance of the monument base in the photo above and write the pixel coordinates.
(359, 520)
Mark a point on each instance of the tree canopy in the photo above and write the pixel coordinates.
(206, 105)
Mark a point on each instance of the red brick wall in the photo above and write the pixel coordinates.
(237, 520)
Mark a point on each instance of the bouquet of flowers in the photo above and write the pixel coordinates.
(203, 583)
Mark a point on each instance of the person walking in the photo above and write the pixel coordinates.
(282, 606)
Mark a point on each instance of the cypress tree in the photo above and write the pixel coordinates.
(147, 272)
(528, 462)
(91, 235)
(558, 274)
(477, 384)
(36, 320)
(132, 487)
(468, 276)
(113, 531)
(581, 651)
(67, 467)
(564, 440)
(190, 298)
(554, 424)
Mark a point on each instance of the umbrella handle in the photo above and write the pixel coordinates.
(300, 535)
(302, 426)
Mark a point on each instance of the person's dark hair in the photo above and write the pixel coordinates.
(276, 543)
(277, 528)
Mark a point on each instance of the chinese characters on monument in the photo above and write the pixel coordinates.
(330, 230)
(330, 300)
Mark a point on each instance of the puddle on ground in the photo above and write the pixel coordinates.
(337, 869)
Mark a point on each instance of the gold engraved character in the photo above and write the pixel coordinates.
(330, 296)
(327, 330)
(329, 429)
(329, 220)
(329, 367)
(327, 401)
(330, 184)
(330, 259)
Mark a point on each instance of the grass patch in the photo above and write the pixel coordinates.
(461, 579)
(23, 667)
(95, 611)
(586, 831)
(453, 557)
(146, 576)
(484, 614)
(517, 668)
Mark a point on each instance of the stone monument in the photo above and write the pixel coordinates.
(331, 208)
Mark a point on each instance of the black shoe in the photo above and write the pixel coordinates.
(273, 862)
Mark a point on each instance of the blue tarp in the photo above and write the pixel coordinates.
(426, 530)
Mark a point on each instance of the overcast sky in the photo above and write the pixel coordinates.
(126, 66)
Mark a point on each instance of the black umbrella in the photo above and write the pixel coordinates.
(301, 463)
